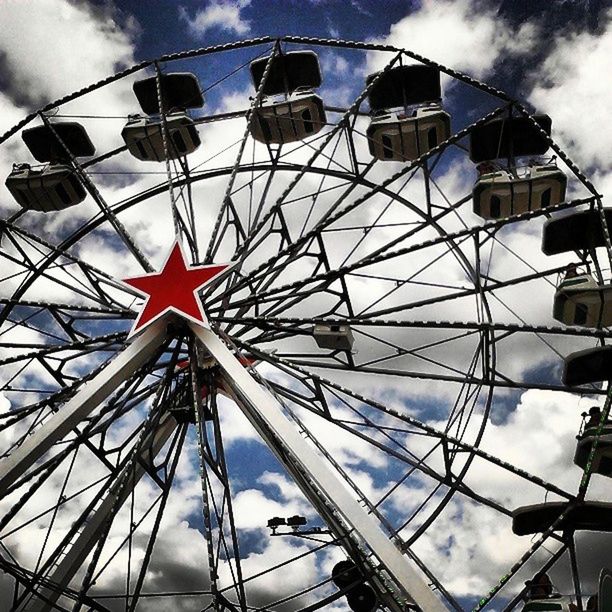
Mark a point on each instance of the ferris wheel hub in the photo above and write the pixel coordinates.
(174, 289)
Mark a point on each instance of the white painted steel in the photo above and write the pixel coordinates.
(91, 394)
(84, 543)
(261, 405)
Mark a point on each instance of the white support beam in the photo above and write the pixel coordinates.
(262, 405)
(91, 394)
(86, 540)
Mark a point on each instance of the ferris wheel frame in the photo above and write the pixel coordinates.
(258, 281)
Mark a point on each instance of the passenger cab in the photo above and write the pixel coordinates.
(290, 110)
(407, 116)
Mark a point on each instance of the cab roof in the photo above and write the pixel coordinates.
(591, 365)
(509, 137)
(287, 72)
(575, 232)
(404, 85)
(537, 518)
(45, 146)
(180, 90)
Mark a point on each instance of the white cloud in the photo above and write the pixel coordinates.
(11, 113)
(222, 14)
(459, 35)
(47, 67)
(573, 85)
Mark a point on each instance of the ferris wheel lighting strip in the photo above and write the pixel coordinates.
(261, 405)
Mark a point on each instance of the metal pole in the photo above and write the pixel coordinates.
(83, 544)
(83, 403)
(260, 405)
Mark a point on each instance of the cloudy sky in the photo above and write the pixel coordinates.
(554, 56)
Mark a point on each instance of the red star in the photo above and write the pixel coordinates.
(174, 289)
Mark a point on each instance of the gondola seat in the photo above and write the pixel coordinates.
(396, 136)
(45, 189)
(333, 336)
(144, 139)
(499, 194)
(580, 300)
(288, 119)
(602, 458)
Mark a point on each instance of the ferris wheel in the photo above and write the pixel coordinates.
(315, 298)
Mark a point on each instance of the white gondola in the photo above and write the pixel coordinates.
(500, 194)
(557, 604)
(144, 139)
(291, 118)
(333, 336)
(46, 188)
(580, 300)
(397, 136)
(602, 457)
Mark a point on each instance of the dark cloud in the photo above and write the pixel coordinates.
(560, 15)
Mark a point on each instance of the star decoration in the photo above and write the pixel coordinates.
(174, 289)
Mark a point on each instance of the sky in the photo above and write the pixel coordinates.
(553, 56)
